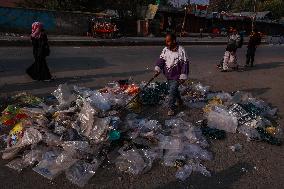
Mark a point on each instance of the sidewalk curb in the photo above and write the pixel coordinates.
(10, 43)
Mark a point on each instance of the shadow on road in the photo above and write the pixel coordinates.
(257, 91)
(12, 67)
(263, 66)
(223, 179)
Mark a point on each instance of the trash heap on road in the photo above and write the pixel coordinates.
(80, 130)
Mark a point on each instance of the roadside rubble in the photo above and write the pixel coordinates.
(78, 130)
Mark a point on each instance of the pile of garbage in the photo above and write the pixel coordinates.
(78, 130)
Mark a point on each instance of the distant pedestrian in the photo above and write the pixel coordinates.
(174, 64)
(230, 56)
(39, 70)
(254, 41)
(201, 32)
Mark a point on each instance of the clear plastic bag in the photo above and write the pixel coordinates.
(169, 142)
(99, 101)
(54, 163)
(130, 161)
(81, 172)
(64, 95)
(184, 172)
(219, 118)
(86, 118)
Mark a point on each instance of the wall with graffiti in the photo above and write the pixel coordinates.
(20, 20)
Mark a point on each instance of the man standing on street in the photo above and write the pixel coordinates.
(254, 41)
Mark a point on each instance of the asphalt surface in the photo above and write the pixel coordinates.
(257, 165)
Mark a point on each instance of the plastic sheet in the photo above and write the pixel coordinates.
(81, 172)
(53, 164)
(219, 118)
(184, 172)
(131, 162)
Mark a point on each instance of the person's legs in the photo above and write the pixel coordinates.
(173, 95)
(226, 60)
(248, 55)
(233, 60)
(252, 56)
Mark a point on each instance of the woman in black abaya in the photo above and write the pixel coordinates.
(39, 70)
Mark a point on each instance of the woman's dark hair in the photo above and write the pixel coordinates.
(172, 36)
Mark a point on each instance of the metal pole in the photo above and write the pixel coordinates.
(254, 16)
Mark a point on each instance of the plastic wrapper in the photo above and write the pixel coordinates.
(219, 118)
(201, 88)
(86, 118)
(81, 172)
(53, 164)
(226, 98)
(184, 172)
(27, 99)
(131, 162)
(64, 95)
(99, 101)
(30, 136)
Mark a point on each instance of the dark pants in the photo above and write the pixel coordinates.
(174, 93)
(250, 55)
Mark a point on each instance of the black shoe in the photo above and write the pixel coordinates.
(246, 65)
(224, 70)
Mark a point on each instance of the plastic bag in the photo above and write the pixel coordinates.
(64, 95)
(98, 133)
(250, 133)
(219, 118)
(99, 101)
(28, 159)
(198, 167)
(53, 164)
(81, 172)
(184, 172)
(168, 142)
(86, 118)
(130, 161)
(199, 87)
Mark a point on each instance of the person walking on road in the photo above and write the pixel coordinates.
(254, 41)
(39, 70)
(174, 64)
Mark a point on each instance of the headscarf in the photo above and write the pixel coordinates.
(36, 30)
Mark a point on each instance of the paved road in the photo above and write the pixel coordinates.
(258, 165)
